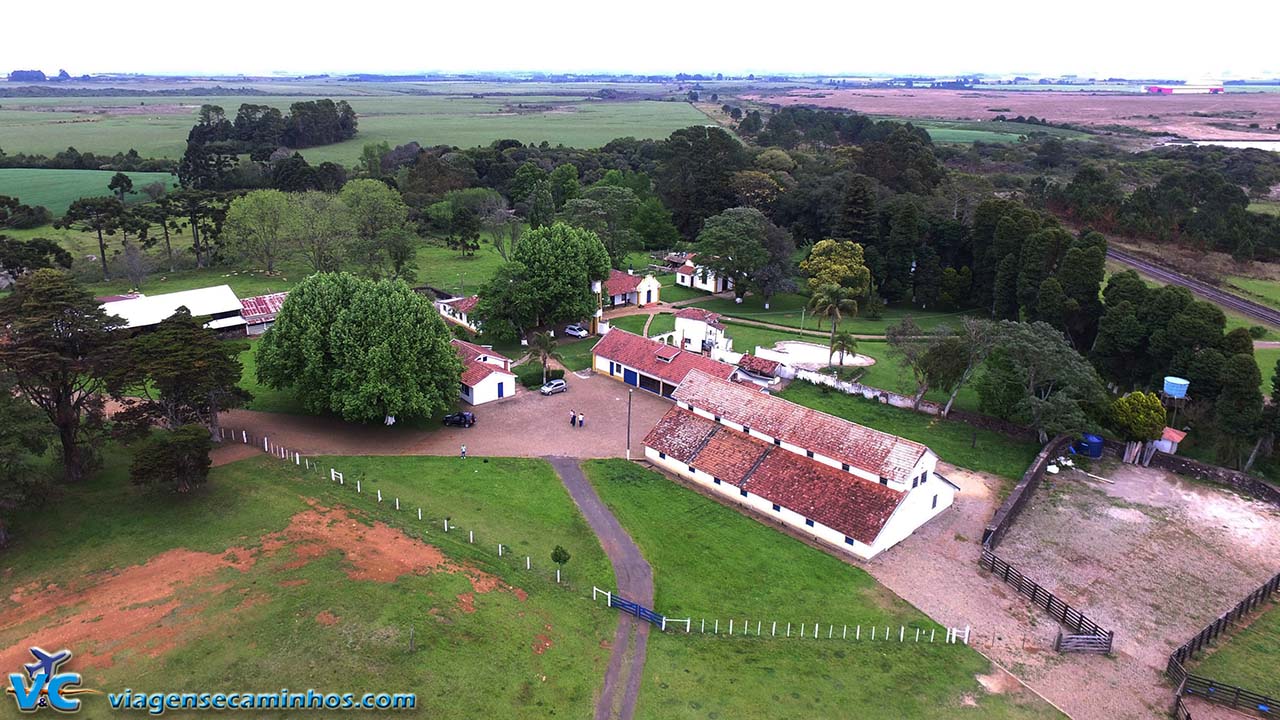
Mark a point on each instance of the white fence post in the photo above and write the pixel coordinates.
(557, 575)
(730, 627)
(931, 632)
(844, 634)
(471, 536)
(857, 633)
(966, 634)
(902, 632)
(265, 446)
(773, 631)
(499, 549)
(419, 513)
(397, 503)
(358, 485)
(757, 628)
(873, 632)
(526, 563)
(379, 494)
(297, 458)
(788, 629)
(244, 435)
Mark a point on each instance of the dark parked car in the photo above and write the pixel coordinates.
(460, 419)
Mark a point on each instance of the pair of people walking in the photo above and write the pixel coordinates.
(576, 418)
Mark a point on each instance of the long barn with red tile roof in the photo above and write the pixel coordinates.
(852, 487)
(649, 364)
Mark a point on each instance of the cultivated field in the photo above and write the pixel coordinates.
(56, 189)
(710, 561)
(157, 126)
(269, 579)
(1201, 117)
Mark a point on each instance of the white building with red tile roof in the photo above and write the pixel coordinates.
(700, 277)
(850, 486)
(649, 364)
(625, 288)
(458, 311)
(700, 330)
(486, 375)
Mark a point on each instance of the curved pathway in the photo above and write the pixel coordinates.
(635, 582)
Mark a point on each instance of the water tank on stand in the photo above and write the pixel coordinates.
(1175, 387)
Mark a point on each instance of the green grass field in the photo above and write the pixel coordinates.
(1264, 291)
(790, 309)
(630, 323)
(1248, 657)
(671, 292)
(711, 562)
(960, 132)
(157, 127)
(955, 442)
(1266, 208)
(313, 610)
(56, 189)
(662, 323)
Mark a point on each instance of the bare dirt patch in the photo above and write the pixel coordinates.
(541, 644)
(467, 603)
(1197, 117)
(327, 618)
(154, 607)
(134, 609)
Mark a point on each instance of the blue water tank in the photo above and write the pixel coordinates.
(1092, 446)
(1175, 387)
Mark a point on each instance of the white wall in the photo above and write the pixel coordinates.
(916, 510)
(487, 389)
(728, 491)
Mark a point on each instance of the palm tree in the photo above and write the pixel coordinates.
(844, 343)
(833, 301)
(544, 346)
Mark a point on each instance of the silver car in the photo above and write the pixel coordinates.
(576, 331)
(554, 386)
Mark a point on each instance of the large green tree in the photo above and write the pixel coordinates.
(174, 460)
(24, 436)
(1238, 410)
(58, 351)
(837, 262)
(322, 228)
(366, 351)
(694, 174)
(1035, 378)
(733, 245)
(258, 225)
(98, 215)
(178, 374)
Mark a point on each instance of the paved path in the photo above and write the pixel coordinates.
(635, 582)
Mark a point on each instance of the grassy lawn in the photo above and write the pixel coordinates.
(1248, 658)
(288, 616)
(453, 272)
(671, 292)
(955, 442)
(1266, 292)
(712, 562)
(56, 189)
(788, 308)
(454, 116)
(576, 354)
(265, 399)
(1266, 359)
(630, 323)
(662, 323)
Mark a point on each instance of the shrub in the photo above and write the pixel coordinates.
(1257, 332)
(530, 374)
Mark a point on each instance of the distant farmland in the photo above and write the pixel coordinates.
(157, 126)
(56, 189)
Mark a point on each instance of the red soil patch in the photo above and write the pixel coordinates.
(137, 609)
(327, 618)
(467, 603)
(131, 609)
(541, 644)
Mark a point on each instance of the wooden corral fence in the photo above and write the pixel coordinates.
(1217, 692)
(1057, 609)
(1180, 711)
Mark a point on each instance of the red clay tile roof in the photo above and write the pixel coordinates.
(862, 447)
(841, 501)
(848, 504)
(679, 434)
(1173, 435)
(642, 354)
(466, 305)
(730, 455)
(470, 351)
(620, 283)
(262, 308)
(701, 315)
(758, 365)
(473, 369)
(685, 270)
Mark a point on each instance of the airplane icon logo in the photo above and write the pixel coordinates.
(44, 686)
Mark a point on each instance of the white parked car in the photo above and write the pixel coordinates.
(576, 331)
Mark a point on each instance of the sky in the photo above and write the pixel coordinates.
(1084, 37)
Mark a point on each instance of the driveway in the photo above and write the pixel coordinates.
(526, 425)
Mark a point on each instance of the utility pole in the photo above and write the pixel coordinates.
(630, 392)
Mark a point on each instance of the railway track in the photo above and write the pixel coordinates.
(1248, 308)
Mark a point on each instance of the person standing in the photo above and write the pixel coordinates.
(464, 452)
(581, 422)
(573, 416)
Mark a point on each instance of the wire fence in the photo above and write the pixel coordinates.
(730, 627)
(754, 627)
